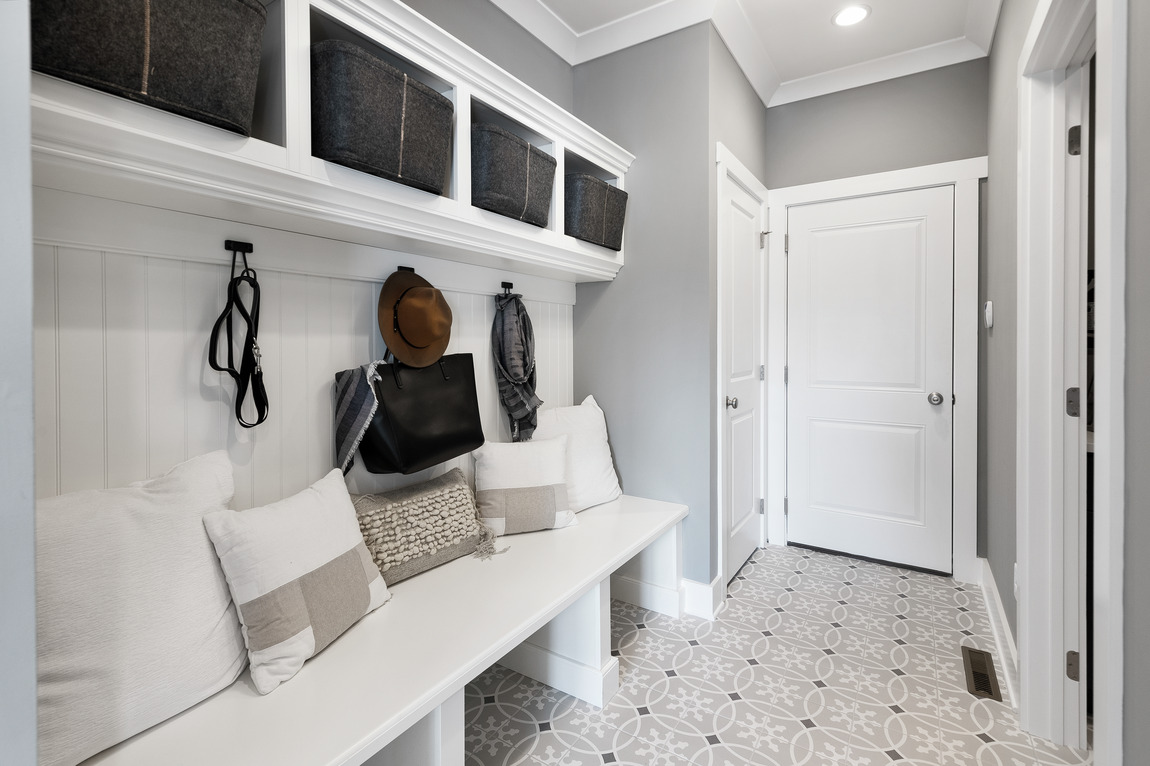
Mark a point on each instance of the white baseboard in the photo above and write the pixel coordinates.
(593, 685)
(1003, 638)
(658, 598)
(703, 599)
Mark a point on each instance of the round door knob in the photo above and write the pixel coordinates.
(934, 397)
(733, 402)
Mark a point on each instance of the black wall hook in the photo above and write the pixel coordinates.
(507, 286)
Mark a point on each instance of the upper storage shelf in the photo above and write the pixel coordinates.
(95, 143)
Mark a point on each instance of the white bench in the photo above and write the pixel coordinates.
(390, 690)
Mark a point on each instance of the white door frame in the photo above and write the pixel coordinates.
(964, 175)
(1056, 36)
(17, 506)
(728, 165)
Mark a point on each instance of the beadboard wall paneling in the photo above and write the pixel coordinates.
(124, 390)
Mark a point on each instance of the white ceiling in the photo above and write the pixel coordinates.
(789, 49)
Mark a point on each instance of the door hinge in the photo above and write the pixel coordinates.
(762, 507)
(786, 506)
(786, 374)
(762, 372)
(787, 243)
(1074, 141)
(1072, 402)
(1072, 665)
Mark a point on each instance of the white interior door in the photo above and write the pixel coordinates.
(870, 358)
(742, 219)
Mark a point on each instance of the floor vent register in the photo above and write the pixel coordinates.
(980, 678)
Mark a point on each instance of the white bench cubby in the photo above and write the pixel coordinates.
(390, 691)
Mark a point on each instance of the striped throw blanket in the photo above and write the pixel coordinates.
(355, 406)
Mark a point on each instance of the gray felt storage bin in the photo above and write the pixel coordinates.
(196, 58)
(368, 115)
(594, 210)
(509, 176)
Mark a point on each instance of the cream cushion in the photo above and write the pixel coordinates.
(522, 486)
(299, 573)
(591, 477)
(134, 619)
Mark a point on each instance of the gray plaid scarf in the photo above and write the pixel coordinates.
(513, 346)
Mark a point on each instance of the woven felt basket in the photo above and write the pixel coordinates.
(196, 58)
(594, 210)
(368, 115)
(509, 176)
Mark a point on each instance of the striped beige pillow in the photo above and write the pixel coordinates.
(522, 487)
(299, 573)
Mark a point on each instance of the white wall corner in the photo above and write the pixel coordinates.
(703, 599)
(747, 48)
(981, 21)
(641, 26)
(538, 19)
(1003, 638)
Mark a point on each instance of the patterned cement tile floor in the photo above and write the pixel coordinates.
(813, 660)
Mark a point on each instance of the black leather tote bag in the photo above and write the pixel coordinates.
(426, 415)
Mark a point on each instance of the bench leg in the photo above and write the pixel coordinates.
(572, 653)
(653, 578)
(437, 739)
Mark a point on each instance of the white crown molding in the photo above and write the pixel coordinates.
(577, 48)
(887, 68)
(747, 48)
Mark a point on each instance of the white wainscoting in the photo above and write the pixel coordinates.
(123, 387)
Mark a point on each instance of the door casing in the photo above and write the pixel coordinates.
(1058, 34)
(964, 175)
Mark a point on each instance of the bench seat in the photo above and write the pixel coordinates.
(403, 667)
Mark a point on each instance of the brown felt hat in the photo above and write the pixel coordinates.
(414, 319)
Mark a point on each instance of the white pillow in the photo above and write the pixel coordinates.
(134, 619)
(299, 573)
(591, 477)
(522, 487)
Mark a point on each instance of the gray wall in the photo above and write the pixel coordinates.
(1137, 580)
(921, 119)
(494, 34)
(997, 439)
(643, 341)
(17, 549)
(738, 120)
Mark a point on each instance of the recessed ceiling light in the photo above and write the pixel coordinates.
(852, 14)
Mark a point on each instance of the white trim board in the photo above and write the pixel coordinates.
(703, 599)
(1000, 626)
(964, 175)
(1055, 36)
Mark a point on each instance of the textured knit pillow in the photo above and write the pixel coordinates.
(134, 619)
(591, 477)
(299, 573)
(413, 529)
(522, 487)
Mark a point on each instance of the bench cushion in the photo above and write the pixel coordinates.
(299, 573)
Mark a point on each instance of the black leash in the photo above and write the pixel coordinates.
(250, 375)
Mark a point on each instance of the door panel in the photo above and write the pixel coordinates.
(870, 336)
(742, 216)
